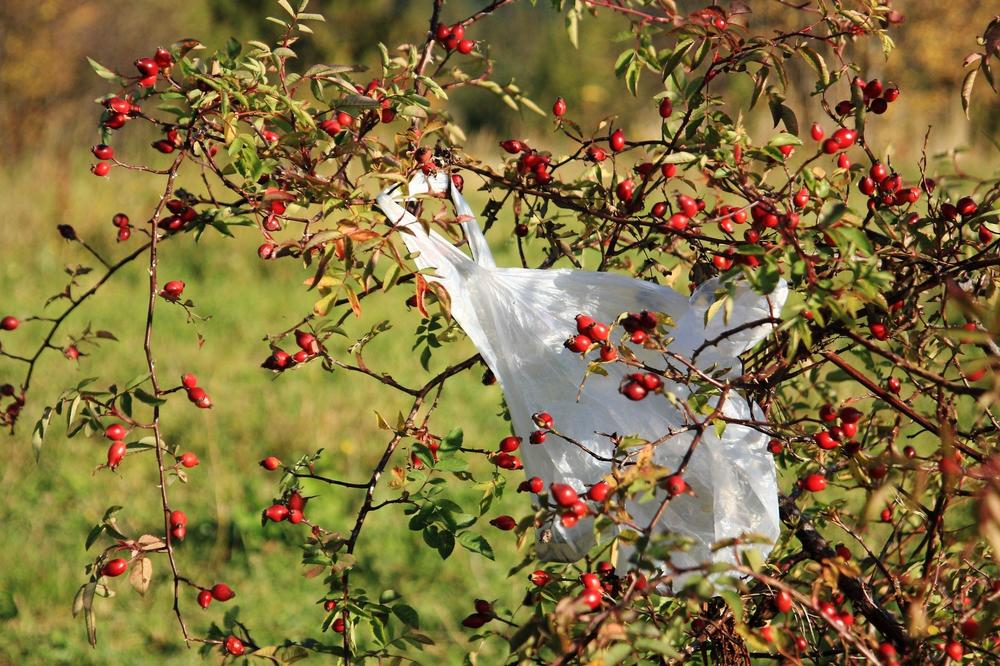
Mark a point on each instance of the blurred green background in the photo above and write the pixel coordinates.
(47, 124)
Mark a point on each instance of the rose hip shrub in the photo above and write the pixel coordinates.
(878, 382)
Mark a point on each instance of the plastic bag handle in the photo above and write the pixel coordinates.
(433, 250)
(421, 184)
(477, 240)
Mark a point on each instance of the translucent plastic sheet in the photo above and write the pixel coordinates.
(519, 318)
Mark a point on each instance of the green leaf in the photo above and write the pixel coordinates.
(733, 599)
(39, 432)
(439, 92)
(573, 27)
(783, 114)
(851, 238)
(760, 79)
(817, 62)
(95, 532)
(408, 615)
(452, 441)
(679, 157)
(675, 57)
(625, 58)
(632, 76)
(102, 71)
(148, 398)
(784, 139)
(358, 102)
(451, 464)
(476, 543)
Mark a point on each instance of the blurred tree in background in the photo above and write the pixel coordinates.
(43, 59)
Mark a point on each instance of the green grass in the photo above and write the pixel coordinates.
(51, 505)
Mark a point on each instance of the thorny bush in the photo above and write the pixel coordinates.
(878, 384)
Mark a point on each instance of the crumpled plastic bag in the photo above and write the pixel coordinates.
(519, 318)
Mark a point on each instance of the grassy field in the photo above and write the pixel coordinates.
(51, 505)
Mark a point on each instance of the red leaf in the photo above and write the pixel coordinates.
(421, 290)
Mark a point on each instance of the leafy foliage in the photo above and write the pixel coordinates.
(879, 383)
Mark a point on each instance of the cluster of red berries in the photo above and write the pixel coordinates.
(603, 581)
(875, 97)
(116, 432)
(338, 624)
(545, 423)
(638, 385)
(13, 410)
(121, 222)
(484, 613)
(388, 111)
(536, 164)
(589, 333)
(836, 433)
(842, 618)
(195, 394)
(966, 208)
(335, 125)
(764, 216)
(639, 325)
(117, 112)
(886, 189)
(683, 218)
(275, 205)
(218, 592)
(170, 142)
(531, 162)
(573, 507)
(181, 215)
(150, 68)
(425, 159)
(842, 139)
(833, 610)
(452, 37)
(504, 457)
(178, 525)
(594, 587)
(104, 153)
(570, 504)
(290, 508)
(281, 360)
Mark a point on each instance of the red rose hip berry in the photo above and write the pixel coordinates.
(115, 567)
(234, 646)
(814, 483)
(222, 592)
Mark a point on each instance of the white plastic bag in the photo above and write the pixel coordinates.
(519, 318)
